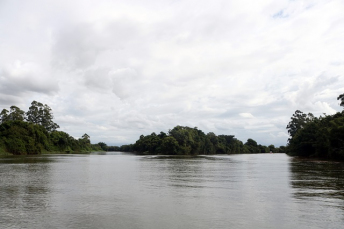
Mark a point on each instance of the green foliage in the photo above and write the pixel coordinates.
(86, 138)
(103, 146)
(336, 137)
(169, 145)
(321, 137)
(38, 134)
(341, 99)
(298, 121)
(63, 142)
(114, 148)
(183, 140)
(127, 148)
(22, 138)
(272, 148)
(4, 116)
(227, 144)
(282, 149)
(190, 140)
(15, 114)
(42, 115)
(252, 146)
(96, 147)
(264, 149)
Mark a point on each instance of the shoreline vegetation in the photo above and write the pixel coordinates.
(183, 140)
(34, 132)
(317, 137)
(310, 137)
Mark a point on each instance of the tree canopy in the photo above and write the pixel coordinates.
(42, 115)
(15, 114)
(35, 132)
(183, 140)
(317, 136)
(341, 99)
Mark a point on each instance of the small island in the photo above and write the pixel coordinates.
(183, 140)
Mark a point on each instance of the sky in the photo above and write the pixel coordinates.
(119, 69)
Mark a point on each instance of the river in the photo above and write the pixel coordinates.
(117, 190)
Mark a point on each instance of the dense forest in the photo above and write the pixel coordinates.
(183, 140)
(35, 132)
(320, 137)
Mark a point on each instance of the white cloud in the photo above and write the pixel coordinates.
(19, 78)
(119, 69)
(125, 82)
(246, 115)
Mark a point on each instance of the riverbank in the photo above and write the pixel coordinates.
(314, 159)
(69, 152)
(3, 152)
(24, 138)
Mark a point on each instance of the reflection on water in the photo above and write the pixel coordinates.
(25, 160)
(240, 191)
(24, 188)
(115, 190)
(318, 182)
(318, 192)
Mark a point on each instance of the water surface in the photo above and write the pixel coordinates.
(118, 190)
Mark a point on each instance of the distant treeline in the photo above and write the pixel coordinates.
(34, 132)
(321, 137)
(183, 140)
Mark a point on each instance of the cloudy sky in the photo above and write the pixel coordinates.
(118, 69)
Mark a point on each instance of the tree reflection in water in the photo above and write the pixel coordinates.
(24, 187)
(320, 181)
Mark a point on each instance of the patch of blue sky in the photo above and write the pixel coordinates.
(280, 14)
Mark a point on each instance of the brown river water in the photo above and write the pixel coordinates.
(117, 190)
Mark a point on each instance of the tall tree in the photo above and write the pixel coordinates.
(42, 115)
(86, 138)
(298, 121)
(341, 99)
(16, 114)
(317, 137)
(34, 115)
(4, 116)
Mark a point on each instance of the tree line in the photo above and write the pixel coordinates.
(34, 132)
(183, 140)
(321, 137)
